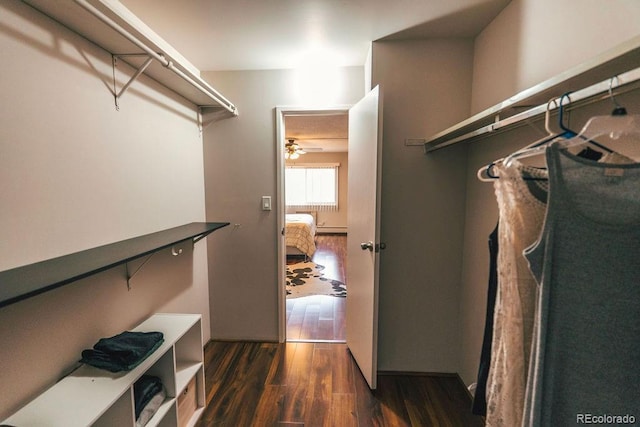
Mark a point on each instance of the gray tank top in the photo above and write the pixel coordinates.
(586, 345)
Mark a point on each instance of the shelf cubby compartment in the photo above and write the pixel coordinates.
(94, 397)
(164, 369)
(189, 367)
(165, 416)
(120, 413)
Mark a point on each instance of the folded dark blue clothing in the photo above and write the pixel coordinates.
(122, 352)
(144, 389)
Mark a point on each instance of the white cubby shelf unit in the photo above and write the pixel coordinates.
(95, 397)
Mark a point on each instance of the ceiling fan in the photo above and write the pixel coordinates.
(292, 147)
(292, 150)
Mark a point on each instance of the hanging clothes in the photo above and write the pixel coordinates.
(521, 193)
(479, 404)
(586, 352)
(522, 213)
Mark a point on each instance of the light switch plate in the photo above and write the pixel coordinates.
(266, 203)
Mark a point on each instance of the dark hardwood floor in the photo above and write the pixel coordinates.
(318, 384)
(321, 317)
(316, 318)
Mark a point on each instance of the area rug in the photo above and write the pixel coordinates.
(306, 278)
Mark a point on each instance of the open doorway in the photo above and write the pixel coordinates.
(313, 178)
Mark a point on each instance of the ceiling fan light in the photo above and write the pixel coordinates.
(292, 150)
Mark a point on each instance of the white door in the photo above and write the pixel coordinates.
(363, 239)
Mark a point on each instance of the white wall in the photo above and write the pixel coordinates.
(243, 273)
(75, 174)
(427, 87)
(530, 41)
(533, 40)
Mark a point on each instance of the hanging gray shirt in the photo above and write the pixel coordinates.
(586, 349)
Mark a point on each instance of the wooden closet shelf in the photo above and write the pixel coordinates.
(27, 281)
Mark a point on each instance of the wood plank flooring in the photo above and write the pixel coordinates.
(321, 317)
(316, 318)
(318, 384)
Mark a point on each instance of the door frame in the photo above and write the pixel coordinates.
(281, 112)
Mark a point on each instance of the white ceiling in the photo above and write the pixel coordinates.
(281, 34)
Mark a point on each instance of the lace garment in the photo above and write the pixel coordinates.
(521, 218)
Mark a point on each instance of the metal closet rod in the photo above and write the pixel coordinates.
(580, 97)
(201, 85)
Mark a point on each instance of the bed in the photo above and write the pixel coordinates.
(300, 233)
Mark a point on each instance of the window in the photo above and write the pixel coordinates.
(312, 186)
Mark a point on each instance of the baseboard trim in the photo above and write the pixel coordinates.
(419, 374)
(465, 386)
(331, 230)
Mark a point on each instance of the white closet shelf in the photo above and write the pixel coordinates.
(169, 67)
(184, 372)
(92, 396)
(621, 59)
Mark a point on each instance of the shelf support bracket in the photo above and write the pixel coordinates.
(175, 251)
(196, 239)
(131, 274)
(114, 63)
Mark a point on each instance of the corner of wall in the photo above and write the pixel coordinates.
(367, 69)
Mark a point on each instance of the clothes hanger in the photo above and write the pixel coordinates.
(486, 174)
(615, 126)
(541, 143)
(595, 127)
(540, 147)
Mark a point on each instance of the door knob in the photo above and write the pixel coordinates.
(365, 246)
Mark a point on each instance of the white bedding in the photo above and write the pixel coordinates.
(300, 234)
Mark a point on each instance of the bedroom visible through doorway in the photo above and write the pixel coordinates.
(314, 172)
(320, 318)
